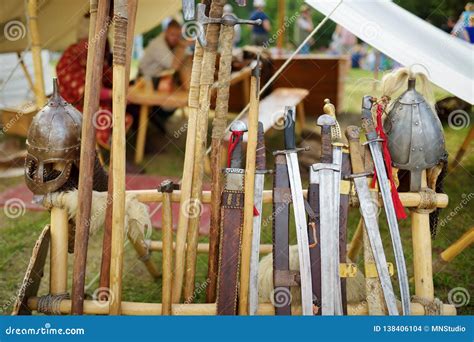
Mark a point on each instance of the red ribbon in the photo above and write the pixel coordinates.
(234, 140)
(397, 203)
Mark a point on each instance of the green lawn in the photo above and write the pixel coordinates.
(17, 236)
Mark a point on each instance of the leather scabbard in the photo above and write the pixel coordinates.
(343, 214)
(315, 247)
(281, 224)
(232, 205)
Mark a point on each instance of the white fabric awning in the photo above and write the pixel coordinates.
(58, 19)
(447, 60)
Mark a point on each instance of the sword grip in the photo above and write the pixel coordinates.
(326, 147)
(290, 139)
(352, 134)
(260, 161)
(366, 116)
(236, 155)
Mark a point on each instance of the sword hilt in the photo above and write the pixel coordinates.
(366, 116)
(238, 128)
(290, 138)
(326, 122)
(260, 160)
(353, 134)
(329, 109)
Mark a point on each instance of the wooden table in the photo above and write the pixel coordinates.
(144, 95)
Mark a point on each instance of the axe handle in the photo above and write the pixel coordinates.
(86, 169)
(218, 131)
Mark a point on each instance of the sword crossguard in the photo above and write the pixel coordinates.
(373, 140)
(295, 150)
(358, 175)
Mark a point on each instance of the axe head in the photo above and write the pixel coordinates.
(189, 9)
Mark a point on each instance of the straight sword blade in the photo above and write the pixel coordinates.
(369, 214)
(301, 233)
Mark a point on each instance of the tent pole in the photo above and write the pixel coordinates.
(26, 72)
(32, 13)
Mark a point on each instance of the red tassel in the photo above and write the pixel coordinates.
(234, 139)
(255, 211)
(397, 203)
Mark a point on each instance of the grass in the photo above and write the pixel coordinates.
(17, 236)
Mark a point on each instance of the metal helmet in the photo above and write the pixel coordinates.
(53, 145)
(415, 135)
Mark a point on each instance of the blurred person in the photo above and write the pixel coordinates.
(162, 60)
(449, 25)
(304, 26)
(343, 41)
(228, 9)
(71, 74)
(463, 21)
(469, 31)
(260, 34)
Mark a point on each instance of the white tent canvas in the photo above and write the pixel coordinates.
(447, 60)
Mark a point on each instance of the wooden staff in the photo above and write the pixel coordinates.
(249, 191)
(206, 82)
(167, 226)
(218, 132)
(86, 168)
(104, 281)
(58, 252)
(422, 257)
(32, 11)
(118, 162)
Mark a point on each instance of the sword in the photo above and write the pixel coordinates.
(232, 204)
(373, 142)
(368, 211)
(328, 172)
(257, 219)
(299, 210)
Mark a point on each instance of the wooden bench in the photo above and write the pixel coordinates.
(272, 109)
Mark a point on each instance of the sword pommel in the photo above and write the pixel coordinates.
(352, 134)
(238, 128)
(326, 120)
(290, 138)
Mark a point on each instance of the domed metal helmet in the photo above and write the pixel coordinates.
(415, 135)
(53, 145)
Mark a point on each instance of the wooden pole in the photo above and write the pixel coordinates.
(107, 240)
(422, 257)
(205, 88)
(409, 199)
(58, 253)
(118, 161)
(356, 242)
(157, 246)
(93, 307)
(218, 132)
(186, 181)
(86, 169)
(281, 25)
(136, 237)
(32, 12)
(26, 72)
(464, 242)
(249, 192)
(167, 227)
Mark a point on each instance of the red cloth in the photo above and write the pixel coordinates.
(397, 203)
(71, 73)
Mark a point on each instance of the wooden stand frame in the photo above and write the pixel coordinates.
(58, 268)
